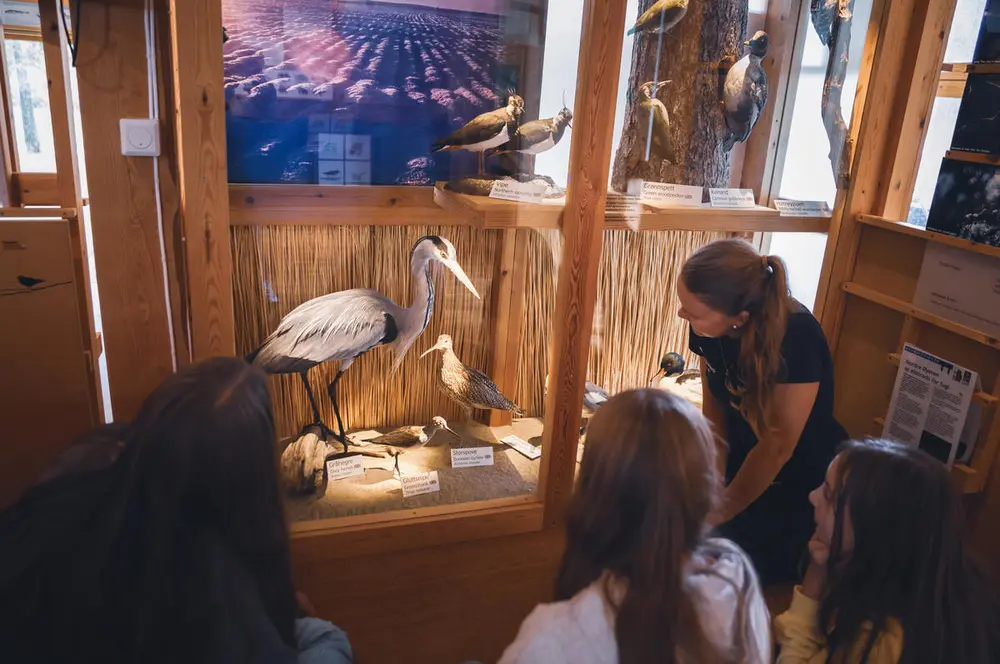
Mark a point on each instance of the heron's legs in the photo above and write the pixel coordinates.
(332, 391)
(317, 420)
(482, 167)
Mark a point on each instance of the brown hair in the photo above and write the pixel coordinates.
(731, 277)
(647, 483)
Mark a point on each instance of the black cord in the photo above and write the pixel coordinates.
(7, 292)
(74, 41)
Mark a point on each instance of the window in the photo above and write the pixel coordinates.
(29, 100)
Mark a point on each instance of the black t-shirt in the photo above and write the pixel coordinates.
(805, 359)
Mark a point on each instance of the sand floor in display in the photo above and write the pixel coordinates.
(512, 474)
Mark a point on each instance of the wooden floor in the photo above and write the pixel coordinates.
(441, 605)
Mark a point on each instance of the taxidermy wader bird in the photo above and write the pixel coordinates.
(468, 387)
(673, 378)
(661, 16)
(342, 326)
(653, 110)
(744, 92)
(404, 439)
(485, 131)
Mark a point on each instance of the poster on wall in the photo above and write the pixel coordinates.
(977, 128)
(988, 44)
(960, 286)
(966, 202)
(356, 91)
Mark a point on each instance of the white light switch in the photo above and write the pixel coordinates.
(140, 138)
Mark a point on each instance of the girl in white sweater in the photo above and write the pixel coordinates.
(640, 582)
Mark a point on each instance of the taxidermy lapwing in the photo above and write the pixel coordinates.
(653, 110)
(539, 135)
(347, 324)
(744, 92)
(468, 387)
(661, 15)
(674, 378)
(485, 131)
(407, 438)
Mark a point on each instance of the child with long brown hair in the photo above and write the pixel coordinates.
(889, 579)
(639, 581)
(769, 378)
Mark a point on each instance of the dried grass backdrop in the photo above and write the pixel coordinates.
(276, 268)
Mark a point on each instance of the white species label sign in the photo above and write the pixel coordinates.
(419, 484)
(338, 469)
(788, 208)
(520, 192)
(522, 446)
(468, 457)
(685, 195)
(731, 198)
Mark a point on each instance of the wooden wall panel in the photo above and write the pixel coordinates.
(111, 72)
(43, 374)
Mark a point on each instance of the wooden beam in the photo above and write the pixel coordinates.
(951, 84)
(919, 102)
(37, 213)
(787, 24)
(196, 29)
(125, 231)
(884, 83)
(58, 72)
(501, 322)
(596, 99)
(8, 146)
(973, 157)
(318, 204)
(36, 188)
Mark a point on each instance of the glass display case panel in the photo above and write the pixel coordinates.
(424, 337)
(402, 92)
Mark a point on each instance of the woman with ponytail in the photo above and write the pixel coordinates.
(769, 379)
(640, 581)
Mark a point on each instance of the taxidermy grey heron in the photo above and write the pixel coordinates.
(342, 326)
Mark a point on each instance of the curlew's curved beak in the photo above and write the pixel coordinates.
(460, 274)
(656, 376)
(431, 350)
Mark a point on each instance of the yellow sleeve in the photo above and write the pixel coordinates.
(797, 633)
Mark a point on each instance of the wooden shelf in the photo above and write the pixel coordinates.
(486, 212)
(931, 236)
(984, 399)
(908, 309)
(971, 68)
(952, 84)
(966, 477)
(491, 213)
(37, 213)
(973, 157)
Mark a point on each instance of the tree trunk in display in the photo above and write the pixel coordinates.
(833, 87)
(711, 31)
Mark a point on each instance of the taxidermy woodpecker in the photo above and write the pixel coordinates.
(485, 131)
(745, 92)
(673, 378)
(661, 15)
(653, 110)
(539, 135)
(468, 387)
(823, 14)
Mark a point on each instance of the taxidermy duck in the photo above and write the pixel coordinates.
(485, 131)
(653, 110)
(661, 15)
(468, 387)
(673, 378)
(744, 92)
(539, 135)
(408, 438)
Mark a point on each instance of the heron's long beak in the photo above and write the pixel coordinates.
(460, 274)
(659, 373)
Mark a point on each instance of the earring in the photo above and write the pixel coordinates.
(736, 327)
